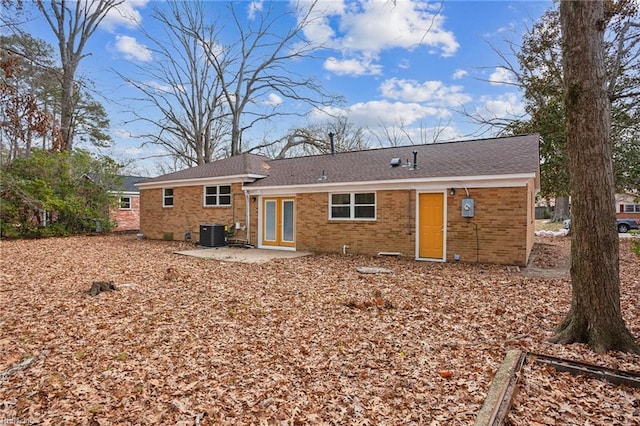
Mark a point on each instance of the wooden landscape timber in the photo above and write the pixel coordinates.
(504, 386)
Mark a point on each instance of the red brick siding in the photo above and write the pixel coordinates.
(628, 215)
(127, 220)
(188, 212)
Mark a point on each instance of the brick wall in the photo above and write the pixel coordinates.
(188, 213)
(503, 217)
(504, 223)
(628, 215)
(393, 231)
(127, 220)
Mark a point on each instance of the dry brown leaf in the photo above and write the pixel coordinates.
(278, 343)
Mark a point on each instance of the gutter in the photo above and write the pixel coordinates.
(247, 208)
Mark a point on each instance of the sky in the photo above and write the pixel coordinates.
(412, 63)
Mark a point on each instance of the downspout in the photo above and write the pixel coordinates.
(247, 202)
(409, 223)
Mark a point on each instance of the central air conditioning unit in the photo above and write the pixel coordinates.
(213, 235)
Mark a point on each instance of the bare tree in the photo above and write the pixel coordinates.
(316, 139)
(10, 13)
(390, 135)
(399, 134)
(537, 72)
(192, 120)
(595, 316)
(255, 72)
(73, 23)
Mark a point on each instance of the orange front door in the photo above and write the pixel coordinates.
(431, 226)
(278, 222)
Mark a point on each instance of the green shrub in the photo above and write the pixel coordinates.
(56, 194)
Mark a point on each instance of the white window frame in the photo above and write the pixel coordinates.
(352, 206)
(166, 197)
(632, 208)
(216, 196)
(130, 202)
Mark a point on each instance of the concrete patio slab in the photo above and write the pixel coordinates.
(242, 255)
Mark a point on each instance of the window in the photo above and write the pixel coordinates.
(353, 206)
(167, 197)
(632, 208)
(217, 195)
(125, 203)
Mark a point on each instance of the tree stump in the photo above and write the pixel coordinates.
(99, 286)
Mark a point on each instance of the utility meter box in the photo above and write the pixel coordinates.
(468, 207)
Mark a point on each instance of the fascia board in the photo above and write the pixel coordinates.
(512, 180)
(125, 192)
(199, 181)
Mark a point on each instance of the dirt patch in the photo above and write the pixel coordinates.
(242, 255)
(550, 258)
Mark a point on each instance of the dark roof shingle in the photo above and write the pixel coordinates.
(482, 157)
(243, 164)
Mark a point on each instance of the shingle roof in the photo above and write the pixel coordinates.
(482, 157)
(243, 164)
(128, 183)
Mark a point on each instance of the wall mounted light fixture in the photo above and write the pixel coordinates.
(452, 191)
(253, 198)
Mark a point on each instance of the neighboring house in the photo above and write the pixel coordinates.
(469, 201)
(127, 213)
(628, 206)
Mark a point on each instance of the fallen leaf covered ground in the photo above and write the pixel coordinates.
(293, 341)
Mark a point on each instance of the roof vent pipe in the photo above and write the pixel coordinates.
(333, 146)
(415, 160)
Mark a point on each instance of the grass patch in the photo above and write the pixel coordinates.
(546, 225)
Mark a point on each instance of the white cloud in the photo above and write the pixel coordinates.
(255, 7)
(354, 67)
(124, 15)
(374, 113)
(459, 74)
(508, 105)
(404, 64)
(501, 76)
(132, 50)
(428, 91)
(318, 28)
(377, 25)
(160, 87)
(434, 134)
(273, 100)
(121, 133)
(367, 27)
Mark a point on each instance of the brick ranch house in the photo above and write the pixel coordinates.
(469, 201)
(126, 215)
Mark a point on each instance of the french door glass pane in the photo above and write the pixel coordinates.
(270, 221)
(287, 221)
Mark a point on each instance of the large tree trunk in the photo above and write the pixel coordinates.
(595, 317)
(561, 209)
(66, 109)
